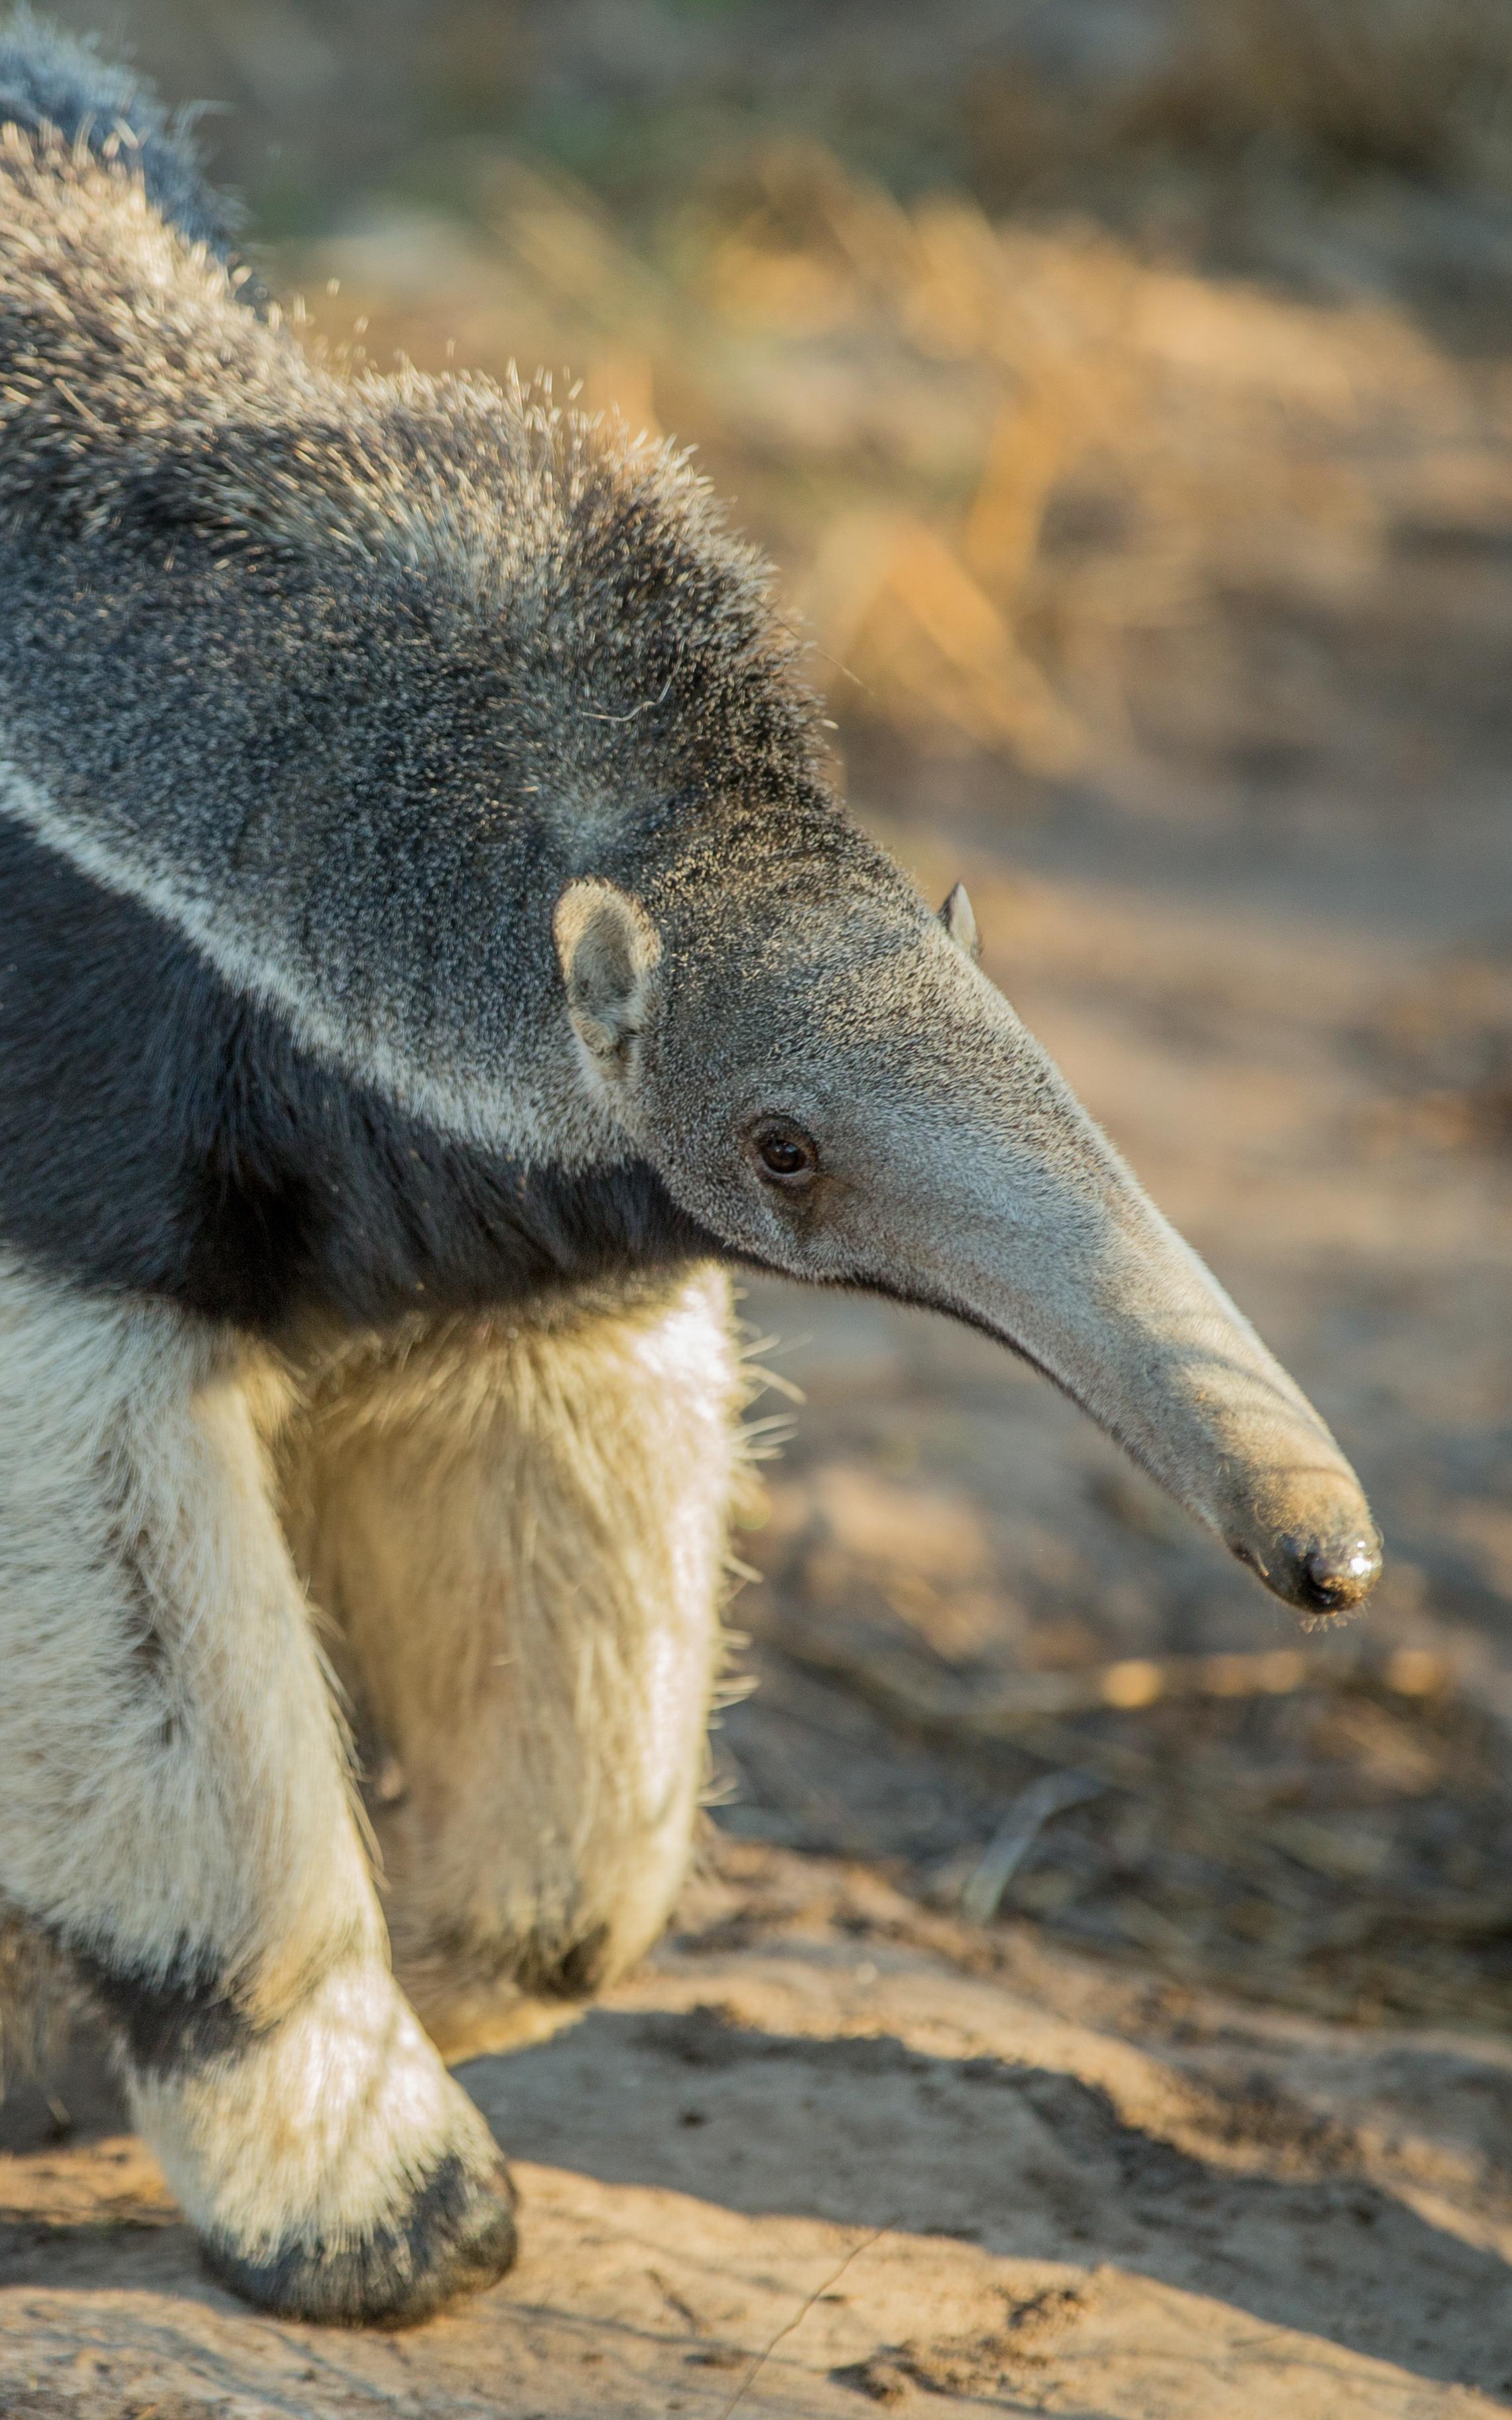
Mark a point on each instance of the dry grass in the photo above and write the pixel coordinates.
(1420, 87)
(1031, 492)
(1037, 492)
(1324, 1831)
(326, 99)
(1415, 89)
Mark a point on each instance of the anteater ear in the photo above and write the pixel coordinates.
(961, 923)
(608, 948)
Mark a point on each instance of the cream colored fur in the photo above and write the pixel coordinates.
(517, 1528)
(323, 2133)
(174, 1774)
(175, 1786)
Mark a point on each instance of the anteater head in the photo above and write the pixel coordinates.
(825, 1079)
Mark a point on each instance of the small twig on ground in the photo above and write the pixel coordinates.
(1051, 1795)
(798, 2317)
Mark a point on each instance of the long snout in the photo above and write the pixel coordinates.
(1044, 1236)
(1124, 1316)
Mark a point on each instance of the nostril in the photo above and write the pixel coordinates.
(1335, 1577)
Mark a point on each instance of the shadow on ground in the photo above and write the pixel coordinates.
(1025, 2161)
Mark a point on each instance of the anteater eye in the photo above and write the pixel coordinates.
(787, 1156)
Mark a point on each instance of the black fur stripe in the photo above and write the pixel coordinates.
(159, 1133)
(166, 2026)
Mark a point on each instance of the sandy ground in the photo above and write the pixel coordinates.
(832, 2146)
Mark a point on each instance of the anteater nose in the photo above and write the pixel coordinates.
(1333, 1578)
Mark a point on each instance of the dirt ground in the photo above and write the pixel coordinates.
(815, 2155)
(1097, 1994)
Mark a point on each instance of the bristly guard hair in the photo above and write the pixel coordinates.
(464, 628)
(53, 85)
(141, 398)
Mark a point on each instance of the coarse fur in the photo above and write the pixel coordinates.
(533, 587)
(552, 1617)
(431, 955)
(177, 1812)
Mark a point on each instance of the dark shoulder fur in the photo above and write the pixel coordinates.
(162, 1135)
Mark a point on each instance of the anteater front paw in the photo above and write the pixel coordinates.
(329, 2164)
(455, 2235)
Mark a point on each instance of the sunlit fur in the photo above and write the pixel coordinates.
(515, 1533)
(570, 637)
(178, 1802)
(517, 1530)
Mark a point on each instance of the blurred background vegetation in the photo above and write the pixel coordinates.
(1072, 355)
(1124, 388)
